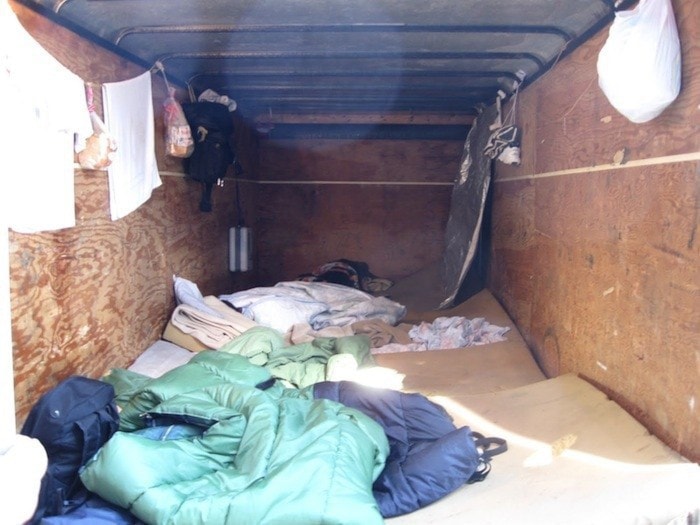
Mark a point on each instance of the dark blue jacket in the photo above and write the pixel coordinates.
(429, 456)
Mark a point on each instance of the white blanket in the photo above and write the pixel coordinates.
(317, 304)
(133, 174)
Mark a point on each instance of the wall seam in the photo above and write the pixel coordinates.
(654, 161)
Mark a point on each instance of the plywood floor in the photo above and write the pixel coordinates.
(575, 456)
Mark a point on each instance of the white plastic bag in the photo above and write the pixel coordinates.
(639, 66)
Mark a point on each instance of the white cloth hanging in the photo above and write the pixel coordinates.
(133, 174)
(43, 105)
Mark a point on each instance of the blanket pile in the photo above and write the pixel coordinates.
(318, 304)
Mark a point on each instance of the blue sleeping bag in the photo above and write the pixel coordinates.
(429, 457)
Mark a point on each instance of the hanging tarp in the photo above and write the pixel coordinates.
(467, 205)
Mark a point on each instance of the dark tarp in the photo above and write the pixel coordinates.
(467, 206)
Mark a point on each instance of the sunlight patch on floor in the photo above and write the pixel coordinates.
(542, 453)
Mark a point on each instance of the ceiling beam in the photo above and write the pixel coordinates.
(399, 55)
(405, 117)
(345, 28)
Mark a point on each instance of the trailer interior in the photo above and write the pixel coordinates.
(359, 135)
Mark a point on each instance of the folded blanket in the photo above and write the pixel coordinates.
(176, 336)
(212, 331)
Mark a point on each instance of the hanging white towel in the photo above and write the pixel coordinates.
(133, 174)
(43, 105)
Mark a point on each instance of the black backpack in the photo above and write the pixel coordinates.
(72, 421)
(212, 128)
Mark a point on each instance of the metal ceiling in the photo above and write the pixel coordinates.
(441, 57)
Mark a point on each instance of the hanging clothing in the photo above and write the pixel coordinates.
(133, 174)
(43, 105)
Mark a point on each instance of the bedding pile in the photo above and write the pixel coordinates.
(303, 364)
(301, 356)
(317, 304)
(302, 331)
(303, 311)
(219, 440)
(276, 424)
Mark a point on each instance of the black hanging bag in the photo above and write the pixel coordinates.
(72, 421)
(212, 127)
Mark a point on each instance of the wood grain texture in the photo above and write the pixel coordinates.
(568, 123)
(513, 248)
(93, 297)
(360, 160)
(396, 229)
(601, 270)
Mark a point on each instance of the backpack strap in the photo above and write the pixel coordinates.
(488, 447)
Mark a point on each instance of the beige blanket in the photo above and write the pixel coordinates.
(210, 330)
(379, 332)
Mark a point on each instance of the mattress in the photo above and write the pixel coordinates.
(160, 357)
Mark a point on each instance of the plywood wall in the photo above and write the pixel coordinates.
(599, 264)
(328, 213)
(89, 298)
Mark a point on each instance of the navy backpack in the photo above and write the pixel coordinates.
(72, 421)
(212, 128)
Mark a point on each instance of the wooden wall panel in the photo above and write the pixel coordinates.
(89, 298)
(396, 229)
(513, 239)
(360, 160)
(600, 269)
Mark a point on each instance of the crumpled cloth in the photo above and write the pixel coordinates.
(381, 333)
(447, 332)
(457, 332)
(23, 462)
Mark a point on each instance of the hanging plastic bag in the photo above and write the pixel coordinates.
(639, 66)
(100, 146)
(178, 135)
(504, 142)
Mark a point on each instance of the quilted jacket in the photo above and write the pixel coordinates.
(252, 456)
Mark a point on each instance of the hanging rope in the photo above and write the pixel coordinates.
(159, 66)
(90, 97)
